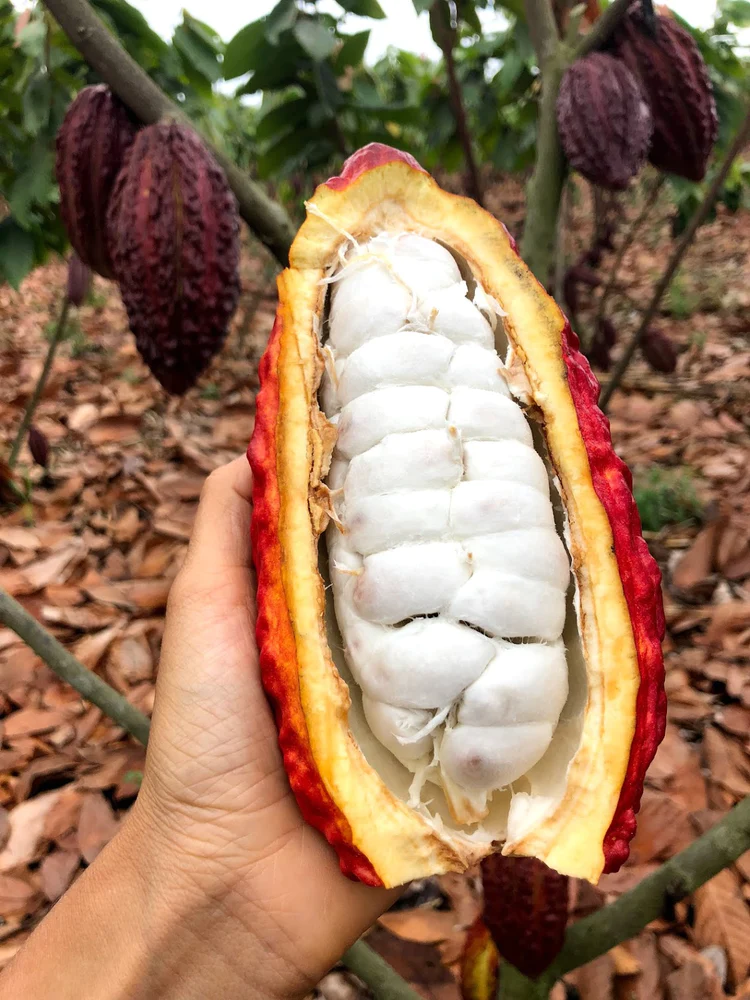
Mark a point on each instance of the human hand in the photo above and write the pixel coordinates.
(232, 893)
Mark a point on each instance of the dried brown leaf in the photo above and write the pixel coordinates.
(721, 917)
(57, 871)
(424, 925)
(27, 830)
(17, 897)
(97, 825)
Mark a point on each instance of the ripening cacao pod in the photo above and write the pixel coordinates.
(38, 446)
(174, 237)
(480, 963)
(604, 121)
(91, 145)
(404, 539)
(525, 911)
(673, 76)
(659, 351)
(79, 280)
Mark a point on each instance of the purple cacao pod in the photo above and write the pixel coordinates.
(79, 280)
(659, 352)
(604, 121)
(174, 237)
(38, 446)
(673, 76)
(91, 144)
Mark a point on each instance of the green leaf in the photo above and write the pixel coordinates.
(16, 252)
(281, 18)
(363, 8)
(33, 185)
(282, 118)
(244, 50)
(129, 21)
(351, 52)
(420, 6)
(737, 13)
(201, 56)
(316, 40)
(327, 88)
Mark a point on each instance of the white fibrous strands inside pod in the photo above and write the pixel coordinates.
(448, 573)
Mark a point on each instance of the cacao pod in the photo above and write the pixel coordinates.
(174, 237)
(659, 351)
(604, 121)
(79, 280)
(525, 911)
(38, 446)
(673, 76)
(404, 539)
(95, 135)
(607, 329)
(479, 964)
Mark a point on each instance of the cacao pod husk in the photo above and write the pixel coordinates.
(38, 446)
(174, 236)
(525, 910)
(479, 964)
(604, 121)
(673, 76)
(659, 352)
(79, 280)
(95, 135)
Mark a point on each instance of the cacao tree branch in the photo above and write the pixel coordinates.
(66, 666)
(104, 53)
(373, 970)
(28, 415)
(513, 985)
(445, 36)
(628, 242)
(699, 217)
(679, 877)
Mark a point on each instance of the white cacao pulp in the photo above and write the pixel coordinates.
(449, 576)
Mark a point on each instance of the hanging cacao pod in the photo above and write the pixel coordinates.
(604, 121)
(79, 280)
(404, 538)
(525, 911)
(659, 351)
(673, 76)
(95, 135)
(174, 237)
(38, 446)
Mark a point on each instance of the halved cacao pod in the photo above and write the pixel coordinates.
(604, 121)
(467, 683)
(97, 132)
(669, 66)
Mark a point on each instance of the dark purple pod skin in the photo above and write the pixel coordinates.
(38, 446)
(674, 79)
(91, 145)
(79, 280)
(659, 352)
(525, 911)
(608, 332)
(173, 229)
(603, 120)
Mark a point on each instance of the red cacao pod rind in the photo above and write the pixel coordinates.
(174, 236)
(604, 121)
(92, 142)
(673, 76)
(659, 352)
(38, 446)
(79, 280)
(525, 910)
(480, 963)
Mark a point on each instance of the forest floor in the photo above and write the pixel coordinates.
(93, 554)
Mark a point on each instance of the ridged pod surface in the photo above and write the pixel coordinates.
(406, 376)
(672, 73)
(604, 121)
(174, 235)
(92, 142)
(525, 911)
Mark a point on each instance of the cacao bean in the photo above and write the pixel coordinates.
(38, 446)
(174, 237)
(95, 135)
(604, 121)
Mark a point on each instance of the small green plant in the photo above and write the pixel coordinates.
(96, 298)
(683, 300)
(667, 496)
(210, 391)
(134, 778)
(131, 376)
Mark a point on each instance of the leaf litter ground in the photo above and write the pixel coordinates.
(93, 554)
